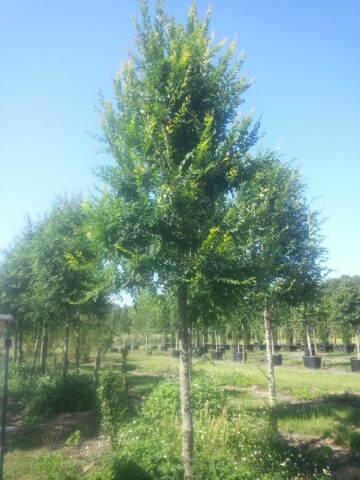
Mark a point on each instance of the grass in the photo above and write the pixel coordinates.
(322, 403)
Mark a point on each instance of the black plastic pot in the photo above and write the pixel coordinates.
(238, 356)
(176, 353)
(355, 364)
(216, 355)
(289, 348)
(277, 359)
(312, 362)
(163, 348)
(325, 348)
(345, 348)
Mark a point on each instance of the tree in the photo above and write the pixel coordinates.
(180, 150)
(348, 305)
(16, 284)
(281, 243)
(69, 274)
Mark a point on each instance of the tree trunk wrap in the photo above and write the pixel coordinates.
(271, 373)
(184, 375)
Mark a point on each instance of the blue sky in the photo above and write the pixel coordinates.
(303, 54)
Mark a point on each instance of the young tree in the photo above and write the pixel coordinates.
(68, 268)
(16, 285)
(281, 240)
(180, 149)
(348, 305)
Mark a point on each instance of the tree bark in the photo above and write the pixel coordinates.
(272, 342)
(271, 373)
(20, 356)
(357, 342)
(315, 343)
(66, 349)
(308, 340)
(36, 351)
(44, 348)
(184, 375)
(15, 360)
(243, 347)
(77, 346)
(97, 365)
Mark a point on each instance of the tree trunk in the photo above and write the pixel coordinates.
(77, 345)
(97, 365)
(272, 342)
(184, 374)
(309, 340)
(357, 342)
(315, 343)
(243, 347)
(36, 351)
(66, 349)
(15, 360)
(44, 348)
(20, 357)
(271, 373)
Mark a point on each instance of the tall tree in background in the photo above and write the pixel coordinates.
(180, 150)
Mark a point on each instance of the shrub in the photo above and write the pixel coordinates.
(53, 394)
(113, 401)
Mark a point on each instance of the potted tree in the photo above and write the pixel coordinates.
(348, 310)
(309, 313)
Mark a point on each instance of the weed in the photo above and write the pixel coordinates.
(74, 439)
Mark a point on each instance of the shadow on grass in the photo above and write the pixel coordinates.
(340, 411)
(143, 384)
(52, 432)
(129, 470)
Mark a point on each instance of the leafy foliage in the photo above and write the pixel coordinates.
(45, 395)
(113, 401)
(166, 399)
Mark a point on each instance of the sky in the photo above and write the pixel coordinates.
(304, 57)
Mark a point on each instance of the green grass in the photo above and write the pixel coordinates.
(322, 403)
